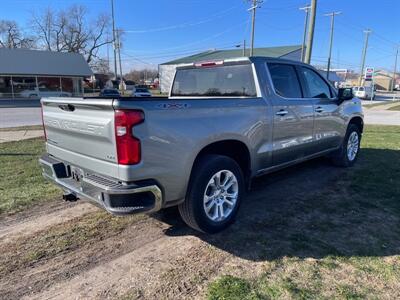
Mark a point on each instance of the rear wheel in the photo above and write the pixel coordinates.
(347, 155)
(214, 194)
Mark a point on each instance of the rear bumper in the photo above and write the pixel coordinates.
(115, 197)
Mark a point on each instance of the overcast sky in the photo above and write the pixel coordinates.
(161, 30)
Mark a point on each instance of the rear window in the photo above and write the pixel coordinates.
(221, 81)
(142, 90)
(361, 89)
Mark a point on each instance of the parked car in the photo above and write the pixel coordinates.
(21, 83)
(224, 124)
(364, 92)
(130, 85)
(141, 92)
(43, 92)
(110, 93)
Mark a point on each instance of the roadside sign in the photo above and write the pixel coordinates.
(369, 73)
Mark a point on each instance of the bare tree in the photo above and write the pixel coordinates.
(11, 36)
(139, 76)
(101, 65)
(71, 31)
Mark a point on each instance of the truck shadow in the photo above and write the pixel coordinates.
(315, 210)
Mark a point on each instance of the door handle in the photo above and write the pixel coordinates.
(282, 112)
(319, 109)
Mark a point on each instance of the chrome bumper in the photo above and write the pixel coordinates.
(115, 197)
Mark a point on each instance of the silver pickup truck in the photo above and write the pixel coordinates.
(224, 123)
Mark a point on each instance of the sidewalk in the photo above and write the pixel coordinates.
(18, 135)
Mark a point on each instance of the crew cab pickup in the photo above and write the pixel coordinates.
(224, 123)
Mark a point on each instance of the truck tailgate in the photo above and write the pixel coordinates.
(80, 126)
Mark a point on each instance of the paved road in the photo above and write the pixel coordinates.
(15, 117)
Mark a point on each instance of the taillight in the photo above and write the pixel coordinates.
(44, 128)
(128, 146)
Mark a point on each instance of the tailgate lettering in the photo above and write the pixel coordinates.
(90, 128)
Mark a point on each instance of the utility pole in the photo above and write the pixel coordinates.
(310, 37)
(108, 54)
(114, 39)
(332, 15)
(395, 69)
(364, 54)
(303, 45)
(120, 65)
(256, 4)
(244, 47)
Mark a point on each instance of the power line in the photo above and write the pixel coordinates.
(176, 54)
(283, 8)
(385, 39)
(183, 51)
(376, 35)
(207, 38)
(375, 48)
(183, 25)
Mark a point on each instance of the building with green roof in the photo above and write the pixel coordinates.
(167, 69)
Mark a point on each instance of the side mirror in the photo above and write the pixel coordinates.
(345, 94)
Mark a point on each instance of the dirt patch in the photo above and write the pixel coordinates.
(64, 250)
(37, 219)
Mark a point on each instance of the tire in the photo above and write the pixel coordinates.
(344, 157)
(202, 183)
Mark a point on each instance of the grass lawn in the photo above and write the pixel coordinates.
(21, 181)
(395, 108)
(157, 93)
(343, 242)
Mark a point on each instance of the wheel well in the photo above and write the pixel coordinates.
(358, 121)
(234, 149)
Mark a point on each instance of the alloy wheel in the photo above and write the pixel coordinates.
(221, 195)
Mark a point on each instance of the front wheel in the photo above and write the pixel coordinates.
(214, 194)
(347, 154)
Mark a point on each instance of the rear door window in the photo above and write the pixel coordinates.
(285, 80)
(220, 81)
(317, 87)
